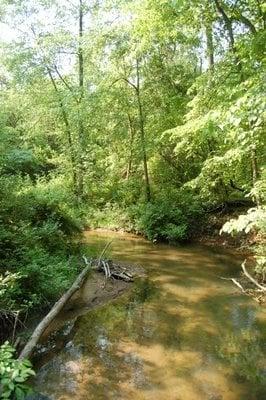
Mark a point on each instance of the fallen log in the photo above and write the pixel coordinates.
(28, 349)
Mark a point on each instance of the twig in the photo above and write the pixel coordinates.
(103, 252)
(235, 282)
(105, 269)
(238, 285)
(89, 263)
(86, 261)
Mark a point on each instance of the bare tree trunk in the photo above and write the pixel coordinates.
(254, 165)
(81, 95)
(255, 172)
(200, 65)
(68, 131)
(228, 24)
(80, 50)
(210, 48)
(131, 139)
(142, 136)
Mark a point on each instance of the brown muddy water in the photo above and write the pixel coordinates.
(182, 333)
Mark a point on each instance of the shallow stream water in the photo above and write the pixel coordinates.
(182, 333)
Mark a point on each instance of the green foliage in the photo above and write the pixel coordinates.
(111, 216)
(254, 219)
(167, 219)
(36, 232)
(13, 374)
(23, 162)
(9, 289)
(159, 222)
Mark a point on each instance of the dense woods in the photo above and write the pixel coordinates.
(140, 115)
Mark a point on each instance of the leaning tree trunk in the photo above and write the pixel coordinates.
(227, 23)
(229, 27)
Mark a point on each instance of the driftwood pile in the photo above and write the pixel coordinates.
(110, 269)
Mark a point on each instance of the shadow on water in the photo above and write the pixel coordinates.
(182, 334)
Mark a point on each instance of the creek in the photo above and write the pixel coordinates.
(181, 333)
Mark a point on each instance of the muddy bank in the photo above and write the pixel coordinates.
(96, 291)
(206, 233)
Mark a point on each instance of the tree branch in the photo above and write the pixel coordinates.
(243, 265)
(63, 80)
(241, 18)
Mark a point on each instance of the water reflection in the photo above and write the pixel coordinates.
(243, 352)
(182, 334)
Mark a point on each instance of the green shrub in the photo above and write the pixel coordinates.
(13, 374)
(45, 275)
(24, 162)
(161, 221)
(171, 217)
(36, 241)
(9, 289)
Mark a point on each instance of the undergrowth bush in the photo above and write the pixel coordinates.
(13, 374)
(168, 218)
(37, 243)
(158, 221)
